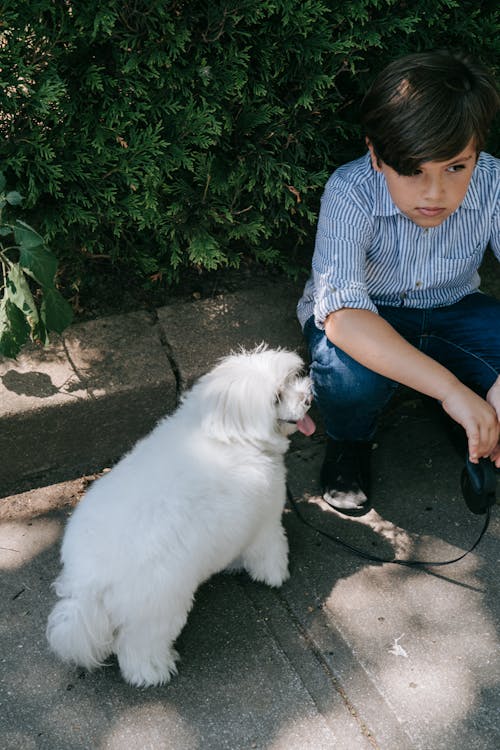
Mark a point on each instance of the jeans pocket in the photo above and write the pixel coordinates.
(320, 347)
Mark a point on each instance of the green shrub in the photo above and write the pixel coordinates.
(160, 135)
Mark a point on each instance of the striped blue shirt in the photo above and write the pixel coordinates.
(368, 253)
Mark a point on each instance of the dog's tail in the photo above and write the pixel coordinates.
(79, 632)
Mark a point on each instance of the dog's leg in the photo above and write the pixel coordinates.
(266, 559)
(145, 648)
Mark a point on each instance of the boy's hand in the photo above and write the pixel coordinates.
(479, 418)
(493, 398)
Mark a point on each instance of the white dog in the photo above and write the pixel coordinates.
(203, 492)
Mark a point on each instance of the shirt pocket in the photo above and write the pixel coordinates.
(463, 252)
(459, 265)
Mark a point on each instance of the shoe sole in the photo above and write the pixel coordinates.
(360, 510)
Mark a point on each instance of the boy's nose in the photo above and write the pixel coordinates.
(433, 188)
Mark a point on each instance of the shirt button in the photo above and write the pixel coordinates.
(418, 284)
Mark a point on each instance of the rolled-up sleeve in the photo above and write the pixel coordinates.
(343, 237)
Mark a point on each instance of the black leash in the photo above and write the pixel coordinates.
(375, 558)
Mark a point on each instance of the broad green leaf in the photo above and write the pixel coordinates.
(14, 330)
(55, 311)
(26, 236)
(14, 198)
(4, 231)
(39, 263)
(19, 293)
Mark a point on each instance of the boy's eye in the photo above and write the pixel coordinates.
(452, 168)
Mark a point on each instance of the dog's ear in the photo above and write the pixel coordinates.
(238, 407)
(237, 399)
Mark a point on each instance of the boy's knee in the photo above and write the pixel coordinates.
(350, 382)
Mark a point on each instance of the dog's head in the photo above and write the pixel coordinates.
(256, 396)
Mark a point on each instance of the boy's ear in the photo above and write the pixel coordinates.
(373, 156)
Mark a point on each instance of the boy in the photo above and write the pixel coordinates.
(393, 296)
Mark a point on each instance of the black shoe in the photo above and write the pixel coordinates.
(345, 476)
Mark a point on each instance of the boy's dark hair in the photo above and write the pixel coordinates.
(427, 107)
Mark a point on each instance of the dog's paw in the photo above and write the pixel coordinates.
(277, 577)
(273, 573)
(156, 670)
(267, 558)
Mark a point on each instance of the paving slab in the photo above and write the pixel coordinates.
(82, 402)
(200, 333)
(79, 404)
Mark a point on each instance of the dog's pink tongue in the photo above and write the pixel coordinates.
(306, 425)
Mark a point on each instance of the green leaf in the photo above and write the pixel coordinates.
(39, 263)
(26, 236)
(4, 231)
(14, 330)
(14, 198)
(19, 293)
(56, 312)
(3, 182)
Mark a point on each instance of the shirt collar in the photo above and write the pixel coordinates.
(472, 200)
(383, 205)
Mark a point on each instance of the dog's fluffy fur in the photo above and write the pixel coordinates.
(203, 492)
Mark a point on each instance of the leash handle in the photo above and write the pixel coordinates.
(375, 558)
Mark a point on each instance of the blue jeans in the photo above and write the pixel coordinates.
(464, 337)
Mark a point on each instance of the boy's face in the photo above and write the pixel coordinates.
(436, 189)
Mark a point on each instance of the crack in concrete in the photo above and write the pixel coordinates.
(315, 652)
(180, 381)
(318, 655)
